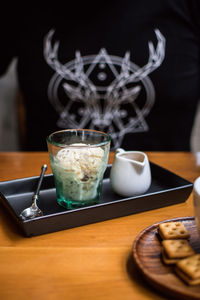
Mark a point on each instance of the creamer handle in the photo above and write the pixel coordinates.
(119, 150)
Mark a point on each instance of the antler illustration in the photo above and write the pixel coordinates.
(155, 59)
(103, 105)
(78, 76)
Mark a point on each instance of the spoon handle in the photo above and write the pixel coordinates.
(44, 168)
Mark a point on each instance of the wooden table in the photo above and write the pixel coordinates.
(88, 262)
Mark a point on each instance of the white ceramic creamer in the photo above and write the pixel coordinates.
(196, 201)
(130, 173)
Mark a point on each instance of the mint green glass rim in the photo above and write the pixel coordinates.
(48, 139)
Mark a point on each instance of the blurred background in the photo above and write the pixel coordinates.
(8, 110)
(8, 114)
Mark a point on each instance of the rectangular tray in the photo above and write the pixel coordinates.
(166, 189)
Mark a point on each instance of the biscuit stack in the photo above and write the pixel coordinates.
(177, 250)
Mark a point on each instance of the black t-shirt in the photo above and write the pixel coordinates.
(129, 68)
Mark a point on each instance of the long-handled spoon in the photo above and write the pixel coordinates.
(34, 211)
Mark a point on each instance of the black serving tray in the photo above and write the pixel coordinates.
(166, 189)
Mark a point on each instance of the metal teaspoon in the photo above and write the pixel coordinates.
(34, 211)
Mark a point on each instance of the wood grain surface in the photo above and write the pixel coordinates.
(88, 262)
(147, 254)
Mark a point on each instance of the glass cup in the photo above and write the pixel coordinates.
(196, 198)
(78, 159)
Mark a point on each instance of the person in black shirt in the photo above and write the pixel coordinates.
(129, 68)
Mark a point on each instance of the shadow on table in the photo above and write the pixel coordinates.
(136, 275)
(10, 228)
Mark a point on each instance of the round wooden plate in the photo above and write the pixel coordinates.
(147, 255)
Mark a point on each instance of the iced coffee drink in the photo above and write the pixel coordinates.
(78, 170)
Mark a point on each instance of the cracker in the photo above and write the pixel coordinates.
(173, 230)
(167, 260)
(190, 266)
(186, 278)
(177, 248)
